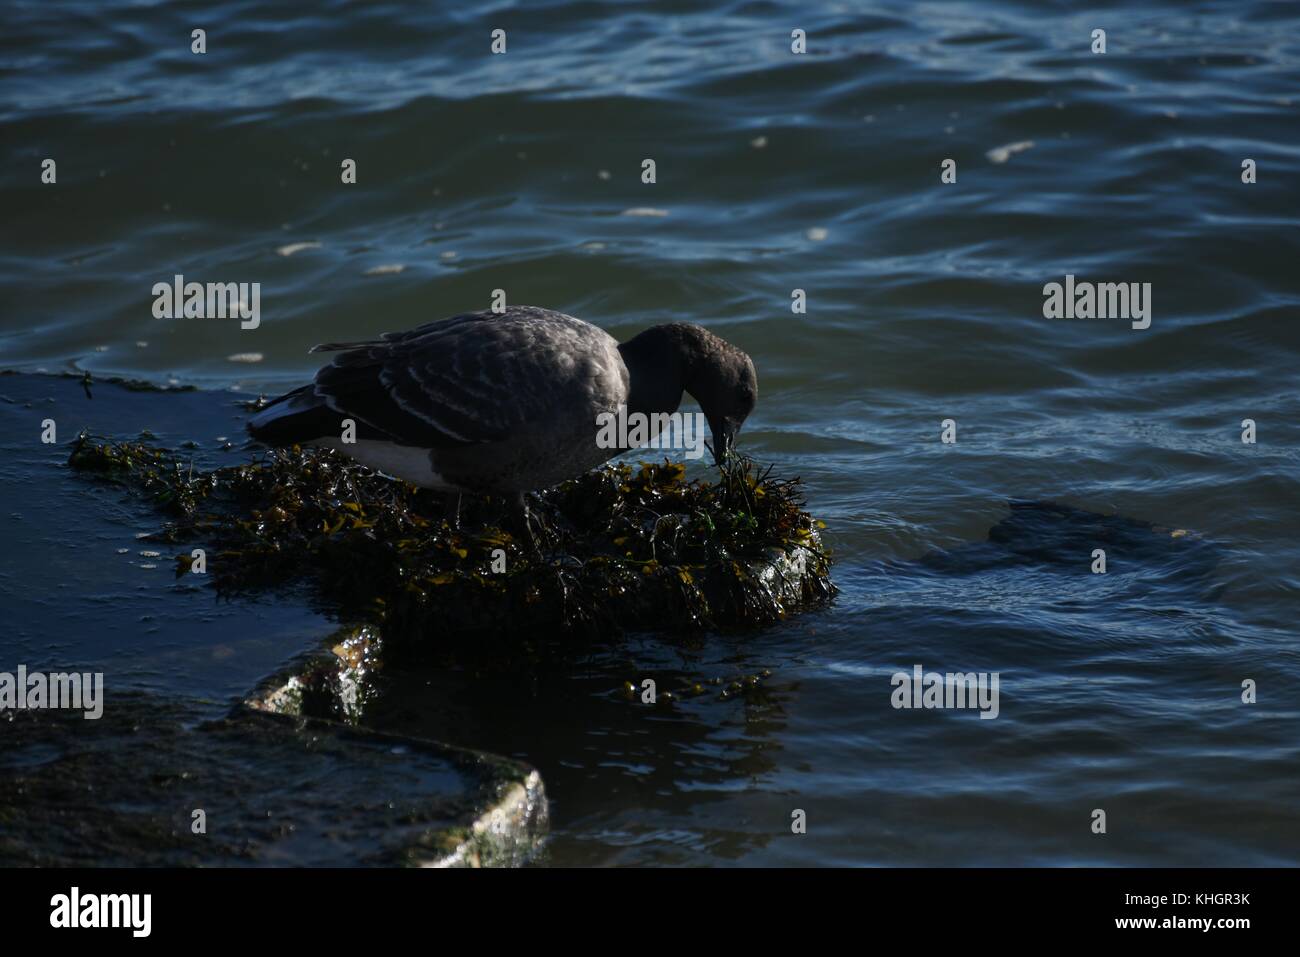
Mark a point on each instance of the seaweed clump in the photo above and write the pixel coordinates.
(620, 547)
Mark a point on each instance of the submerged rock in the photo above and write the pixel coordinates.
(256, 788)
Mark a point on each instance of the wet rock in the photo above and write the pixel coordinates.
(152, 785)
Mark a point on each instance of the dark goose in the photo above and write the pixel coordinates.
(505, 403)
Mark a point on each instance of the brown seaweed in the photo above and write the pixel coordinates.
(621, 547)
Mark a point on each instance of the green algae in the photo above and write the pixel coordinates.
(621, 547)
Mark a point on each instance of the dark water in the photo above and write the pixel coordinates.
(83, 584)
(775, 172)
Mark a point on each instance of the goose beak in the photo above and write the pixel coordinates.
(724, 439)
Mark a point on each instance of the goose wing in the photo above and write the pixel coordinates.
(475, 379)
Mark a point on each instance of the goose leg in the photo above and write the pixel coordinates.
(522, 516)
(453, 510)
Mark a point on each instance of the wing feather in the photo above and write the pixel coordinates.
(473, 379)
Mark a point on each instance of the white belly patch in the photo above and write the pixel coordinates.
(399, 461)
